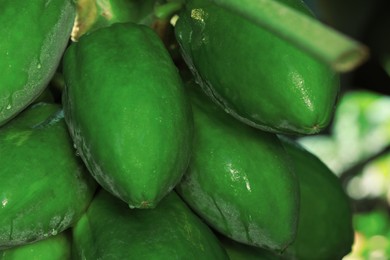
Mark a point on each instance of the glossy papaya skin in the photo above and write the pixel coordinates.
(132, 124)
(239, 180)
(110, 230)
(34, 36)
(265, 82)
(55, 248)
(46, 190)
(325, 224)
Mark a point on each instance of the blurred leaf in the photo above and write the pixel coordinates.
(374, 180)
(325, 148)
(372, 236)
(372, 223)
(361, 128)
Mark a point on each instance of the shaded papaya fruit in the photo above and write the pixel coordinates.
(127, 112)
(110, 230)
(325, 218)
(240, 180)
(57, 247)
(45, 188)
(34, 36)
(239, 251)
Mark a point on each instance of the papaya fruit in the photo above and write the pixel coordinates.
(132, 124)
(239, 251)
(110, 230)
(45, 187)
(325, 228)
(93, 15)
(34, 37)
(57, 247)
(252, 74)
(239, 180)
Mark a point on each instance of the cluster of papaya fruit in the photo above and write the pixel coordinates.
(147, 156)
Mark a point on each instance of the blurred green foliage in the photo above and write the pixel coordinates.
(372, 239)
(361, 129)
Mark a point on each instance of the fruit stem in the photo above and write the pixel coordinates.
(340, 52)
(165, 11)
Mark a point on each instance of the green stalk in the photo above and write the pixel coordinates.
(166, 10)
(324, 43)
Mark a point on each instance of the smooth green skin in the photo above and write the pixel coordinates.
(238, 251)
(34, 35)
(131, 11)
(113, 11)
(110, 230)
(128, 113)
(325, 225)
(44, 187)
(54, 248)
(239, 179)
(252, 74)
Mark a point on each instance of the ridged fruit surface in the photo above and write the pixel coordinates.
(34, 35)
(44, 186)
(127, 112)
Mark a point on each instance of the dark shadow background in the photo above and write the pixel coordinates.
(367, 21)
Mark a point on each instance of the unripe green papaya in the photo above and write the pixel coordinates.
(238, 251)
(44, 187)
(325, 218)
(127, 112)
(110, 230)
(93, 15)
(252, 74)
(57, 247)
(239, 179)
(34, 35)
